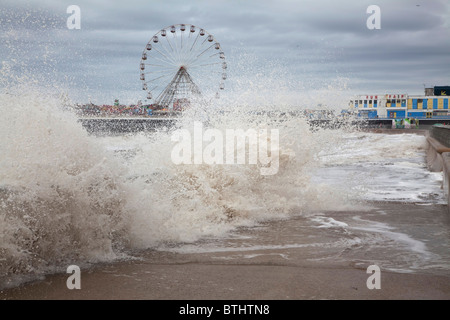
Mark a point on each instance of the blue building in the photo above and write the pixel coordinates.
(402, 105)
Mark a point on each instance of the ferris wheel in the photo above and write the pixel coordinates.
(181, 63)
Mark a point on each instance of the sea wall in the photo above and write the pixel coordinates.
(438, 155)
(441, 133)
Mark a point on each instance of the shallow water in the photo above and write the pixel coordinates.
(398, 219)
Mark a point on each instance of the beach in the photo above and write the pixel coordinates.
(274, 261)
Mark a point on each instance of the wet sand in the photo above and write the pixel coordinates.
(204, 281)
(278, 260)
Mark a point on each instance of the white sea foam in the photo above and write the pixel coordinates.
(414, 245)
(327, 222)
(387, 167)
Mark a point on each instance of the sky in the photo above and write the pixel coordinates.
(285, 51)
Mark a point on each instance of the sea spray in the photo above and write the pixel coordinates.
(60, 198)
(69, 197)
(185, 202)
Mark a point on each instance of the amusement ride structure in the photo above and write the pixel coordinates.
(177, 62)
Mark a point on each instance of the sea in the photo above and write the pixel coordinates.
(68, 196)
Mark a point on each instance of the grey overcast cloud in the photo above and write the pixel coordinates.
(294, 52)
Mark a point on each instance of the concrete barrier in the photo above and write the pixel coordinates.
(438, 159)
(446, 181)
(441, 133)
(435, 149)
